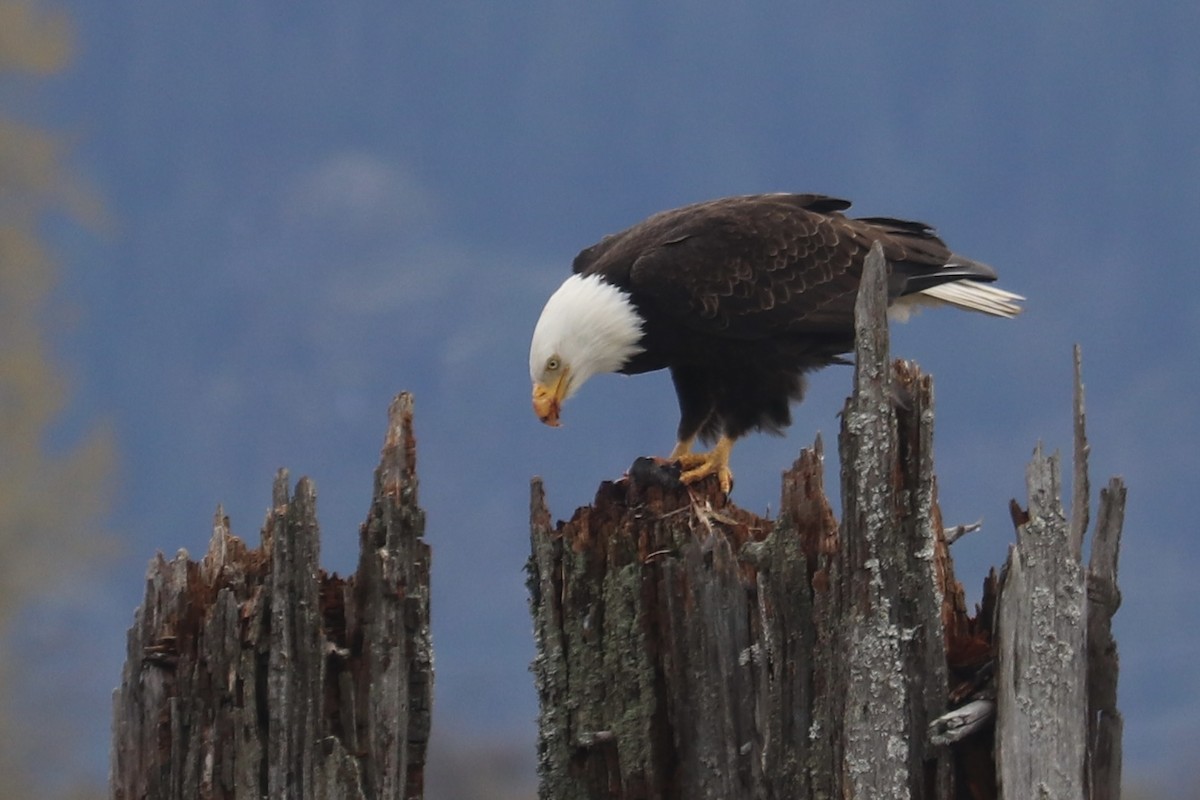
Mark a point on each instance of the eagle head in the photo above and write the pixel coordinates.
(588, 326)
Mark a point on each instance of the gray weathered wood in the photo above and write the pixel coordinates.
(1058, 730)
(875, 741)
(252, 673)
(1041, 697)
(893, 632)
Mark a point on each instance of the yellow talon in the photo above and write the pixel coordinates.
(700, 465)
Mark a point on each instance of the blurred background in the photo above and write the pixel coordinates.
(231, 232)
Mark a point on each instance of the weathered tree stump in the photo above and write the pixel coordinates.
(252, 673)
(1058, 729)
(687, 648)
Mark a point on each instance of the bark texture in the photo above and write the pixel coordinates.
(252, 673)
(1041, 697)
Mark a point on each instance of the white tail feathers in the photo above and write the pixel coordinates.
(969, 295)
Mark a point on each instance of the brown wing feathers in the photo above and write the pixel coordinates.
(757, 265)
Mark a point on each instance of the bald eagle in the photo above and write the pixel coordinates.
(738, 298)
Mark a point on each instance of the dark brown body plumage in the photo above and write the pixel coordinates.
(741, 296)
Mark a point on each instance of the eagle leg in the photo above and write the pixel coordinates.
(700, 465)
(682, 452)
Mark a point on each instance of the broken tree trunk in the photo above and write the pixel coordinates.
(253, 673)
(1058, 730)
(687, 648)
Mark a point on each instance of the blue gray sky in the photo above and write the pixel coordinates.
(316, 206)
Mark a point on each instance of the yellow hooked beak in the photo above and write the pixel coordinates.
(547, 400)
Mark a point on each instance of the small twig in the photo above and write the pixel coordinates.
(952, 535)
(956, 725)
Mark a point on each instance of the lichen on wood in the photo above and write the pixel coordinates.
(1058, 731)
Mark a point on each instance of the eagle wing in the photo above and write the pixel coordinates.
(764, 265)
(751, 268)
